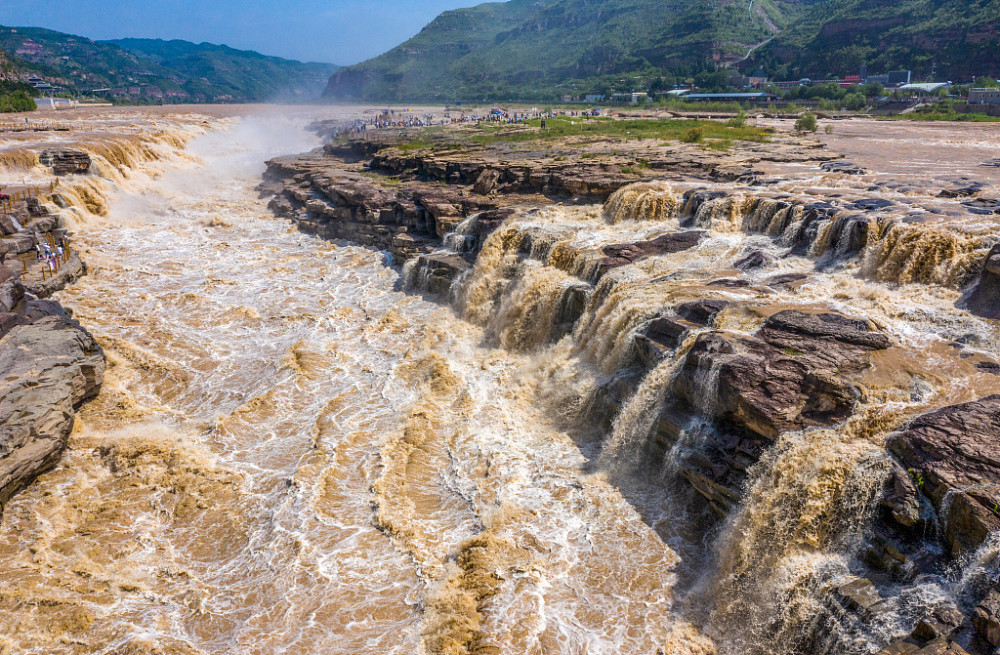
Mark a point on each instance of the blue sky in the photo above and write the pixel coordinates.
(335, 31)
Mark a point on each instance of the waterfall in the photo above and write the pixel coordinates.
(645, 201)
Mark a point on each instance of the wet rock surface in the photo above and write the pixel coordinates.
(741, 393)
(51, 367)
(65, 161)
(983, 206)
(793, 374)
(984, 299)
(438, 271)
(843, 167)
(962, 191)
(953, 457)
(628, 253)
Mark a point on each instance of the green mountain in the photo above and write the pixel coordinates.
(542, 49)
(245, 74)
(539, 48)
(947, 39)
(155, 71)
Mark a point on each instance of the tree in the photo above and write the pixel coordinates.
(873, 90)
(854, 101)
(17, 101)
(806, 123)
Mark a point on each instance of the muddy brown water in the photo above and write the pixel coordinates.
(292, 455)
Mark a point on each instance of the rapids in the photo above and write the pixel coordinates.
(291, 456)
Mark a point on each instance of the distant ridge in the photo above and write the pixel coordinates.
(152, 70)
(542, 49)
(949, 40)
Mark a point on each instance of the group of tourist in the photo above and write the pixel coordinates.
(390, 119)
(387, 119)
(50, 256)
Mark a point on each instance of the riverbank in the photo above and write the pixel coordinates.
(51, 364)
(793, 338)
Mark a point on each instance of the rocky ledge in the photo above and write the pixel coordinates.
(65, 161)
(391, 196)
(51, 365)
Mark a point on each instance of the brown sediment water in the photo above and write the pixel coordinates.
(292, 455)
(289, 455)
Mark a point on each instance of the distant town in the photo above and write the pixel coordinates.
(879, 92)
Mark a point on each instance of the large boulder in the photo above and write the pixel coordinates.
(986, 617)
(11, 290)
(952, 455)
(793, 374)
(487, 181)
(50, 368)
(8, 225)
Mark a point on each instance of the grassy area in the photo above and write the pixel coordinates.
(665, 130)
(701, 106)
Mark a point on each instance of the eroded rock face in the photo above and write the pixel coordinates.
(50, 368)
(985, 297)
(741, 393)
(952, 455)
(622, 254)
(658, 338)
(436, 272)
(65, 161)
(793, 374)
(11, 290)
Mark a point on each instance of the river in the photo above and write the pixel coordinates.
(292, 456)
(293, 453)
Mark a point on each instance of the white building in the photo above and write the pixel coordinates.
(984, 97)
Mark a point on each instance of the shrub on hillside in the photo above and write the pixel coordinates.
(17, 101)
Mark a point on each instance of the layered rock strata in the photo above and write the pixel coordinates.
(51, 365)
(65, 161)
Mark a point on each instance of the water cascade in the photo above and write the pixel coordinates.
(664, 424)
